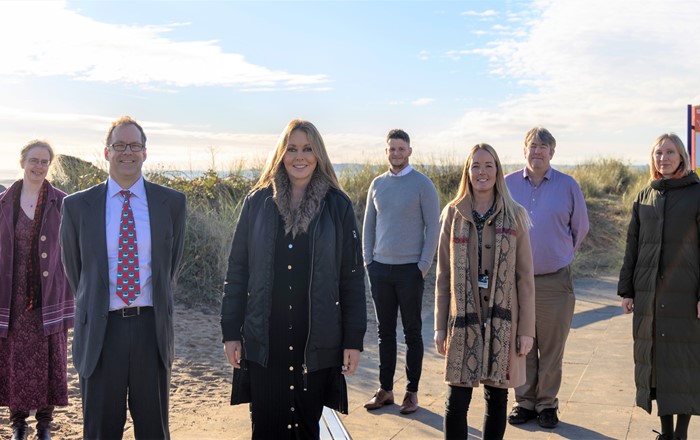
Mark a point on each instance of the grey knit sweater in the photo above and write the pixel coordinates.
(402, 220)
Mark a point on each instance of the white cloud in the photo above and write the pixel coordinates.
(483, 14)
(170, 145)
(604, 76)
(423, 55)
(422, 101)
(47, 39)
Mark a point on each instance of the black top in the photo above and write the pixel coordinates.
(289, 317)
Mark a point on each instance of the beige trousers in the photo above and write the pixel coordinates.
(554, 310)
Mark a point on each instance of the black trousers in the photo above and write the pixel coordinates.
(394, 287)
(129, 369)
(457, 405)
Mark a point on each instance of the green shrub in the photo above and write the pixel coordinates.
(214, 202)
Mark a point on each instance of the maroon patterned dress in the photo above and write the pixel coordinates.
(32, 366)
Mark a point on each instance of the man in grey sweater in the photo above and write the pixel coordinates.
(401, 230)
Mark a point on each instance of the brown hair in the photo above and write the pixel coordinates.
(34, 143)
(124, 120)
(274, 161)
(543, 135)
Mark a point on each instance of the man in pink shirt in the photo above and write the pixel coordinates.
(555, 204)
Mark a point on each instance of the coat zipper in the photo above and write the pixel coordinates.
(304, 367)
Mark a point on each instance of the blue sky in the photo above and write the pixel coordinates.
(222, 79)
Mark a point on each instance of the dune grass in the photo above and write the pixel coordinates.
(214, 202)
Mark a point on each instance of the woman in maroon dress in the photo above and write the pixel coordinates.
(36, 303)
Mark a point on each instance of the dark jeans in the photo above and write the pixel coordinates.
(394, 287)
(457, 406)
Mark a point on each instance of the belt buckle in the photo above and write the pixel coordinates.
(129, 312)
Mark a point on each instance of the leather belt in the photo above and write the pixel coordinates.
(129, 312)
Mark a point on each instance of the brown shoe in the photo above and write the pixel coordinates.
(380, 399)
(410, 403)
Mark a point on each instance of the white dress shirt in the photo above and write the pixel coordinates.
(403, 172)
(113, 210)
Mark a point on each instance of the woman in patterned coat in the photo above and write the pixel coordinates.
(484, 294)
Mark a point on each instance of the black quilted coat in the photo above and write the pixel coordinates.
(661, 271)
(337, 308)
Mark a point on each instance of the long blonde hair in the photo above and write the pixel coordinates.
(515, 213)
(684, 166)
(324, 168)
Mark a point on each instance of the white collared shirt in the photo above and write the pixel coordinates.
(113, 210)
(403, 172)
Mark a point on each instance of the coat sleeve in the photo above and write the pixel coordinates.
(525, 284)
(625, 286)
(234, 301)
(352, 284)
(70, 249)
(443, 270)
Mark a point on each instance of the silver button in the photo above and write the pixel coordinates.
(291, 387)
(289, 426)
(289, 267)
(44, 255)
(290, 307)
(290, 245)
(46, 273)
(291, 368)
(43, 238)
(291, 409)
(291, 348)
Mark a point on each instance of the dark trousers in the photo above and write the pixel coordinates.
(129, 368)
(394, 287)
(44, 416)
(457, 406)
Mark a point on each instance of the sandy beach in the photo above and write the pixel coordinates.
(596, 398)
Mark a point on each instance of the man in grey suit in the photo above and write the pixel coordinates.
(122, 241)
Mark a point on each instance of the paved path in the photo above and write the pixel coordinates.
(596, 397)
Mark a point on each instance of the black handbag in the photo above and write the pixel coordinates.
(336, 393)
(240, 389)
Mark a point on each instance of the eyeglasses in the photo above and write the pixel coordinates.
(43, 162)
(121, 146)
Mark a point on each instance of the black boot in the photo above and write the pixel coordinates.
(19, 424)
(43, 423)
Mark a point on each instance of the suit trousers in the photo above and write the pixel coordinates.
(554, 310)
(398, 287)
(129, 370)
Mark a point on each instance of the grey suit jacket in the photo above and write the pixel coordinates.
(84, 255)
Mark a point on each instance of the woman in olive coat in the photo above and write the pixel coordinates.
(660, 284)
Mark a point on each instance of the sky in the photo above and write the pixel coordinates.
(215, 82)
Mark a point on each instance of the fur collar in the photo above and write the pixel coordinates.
(297, 220)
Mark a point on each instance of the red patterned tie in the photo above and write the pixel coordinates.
(128, 284)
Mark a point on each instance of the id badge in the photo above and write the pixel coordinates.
(483, 281)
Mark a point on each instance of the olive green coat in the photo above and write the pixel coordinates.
(661, 272)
